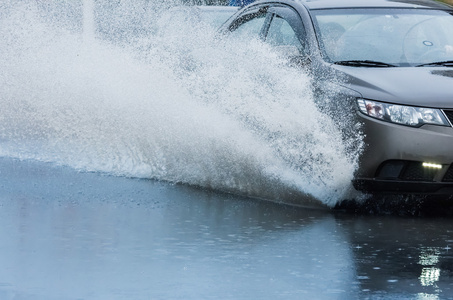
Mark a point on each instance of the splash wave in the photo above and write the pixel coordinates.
(173, 103)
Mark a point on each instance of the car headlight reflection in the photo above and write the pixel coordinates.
(402, 114)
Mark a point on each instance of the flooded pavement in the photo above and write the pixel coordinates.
(112, 90)
(72, 235)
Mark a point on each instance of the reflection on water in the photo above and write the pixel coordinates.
(429, 256)
(403, 258)
(70, 235)
(430, 274)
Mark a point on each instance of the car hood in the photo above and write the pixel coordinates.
(419, 86)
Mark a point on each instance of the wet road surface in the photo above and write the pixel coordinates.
(71, 235)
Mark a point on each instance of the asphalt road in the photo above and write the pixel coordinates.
(72, 235)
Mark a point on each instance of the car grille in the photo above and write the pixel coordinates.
(449, 114)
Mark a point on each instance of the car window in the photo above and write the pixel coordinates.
(286, 31)
(249, 25)
(282, 36)
(279, 26)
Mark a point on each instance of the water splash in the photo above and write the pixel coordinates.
(89, 27)
(167, 101)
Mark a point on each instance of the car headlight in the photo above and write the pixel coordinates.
(402, 114)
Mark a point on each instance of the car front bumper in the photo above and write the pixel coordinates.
(403, 159)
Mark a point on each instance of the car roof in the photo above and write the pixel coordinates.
(326, 4)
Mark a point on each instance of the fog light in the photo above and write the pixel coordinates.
(430, 165)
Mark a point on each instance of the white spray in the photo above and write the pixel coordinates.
(170, 103)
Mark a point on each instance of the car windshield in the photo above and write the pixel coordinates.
(387, 37)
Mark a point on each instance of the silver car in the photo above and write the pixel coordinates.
(392, 65)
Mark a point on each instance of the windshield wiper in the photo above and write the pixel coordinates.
(446, 63)
(364, 63)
